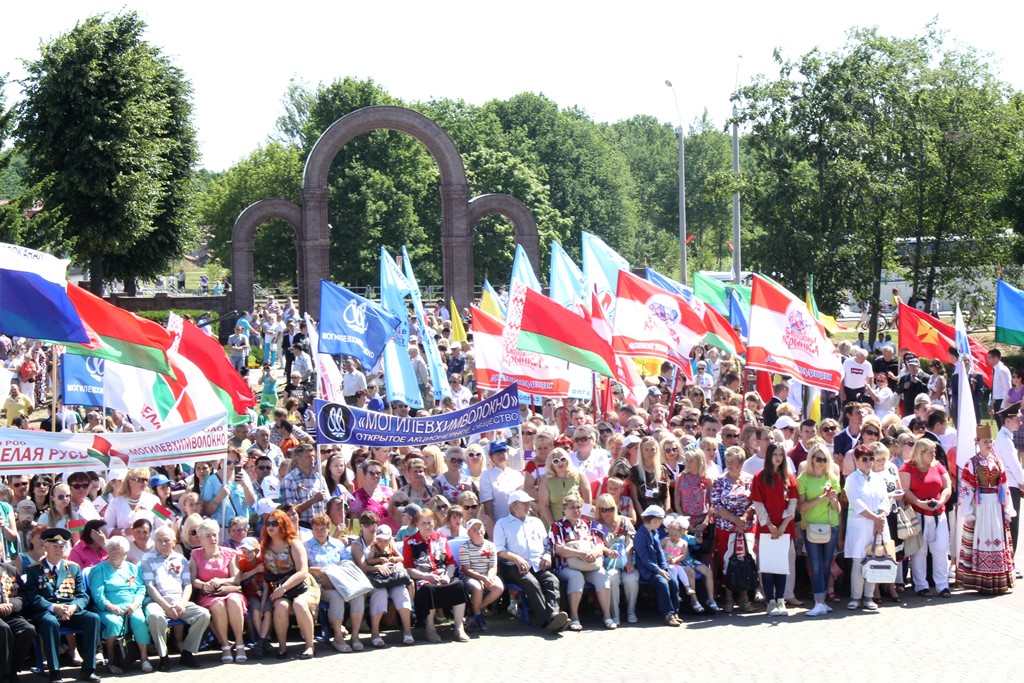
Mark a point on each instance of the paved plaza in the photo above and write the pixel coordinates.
(966, 638)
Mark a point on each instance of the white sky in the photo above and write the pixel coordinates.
(610, 59)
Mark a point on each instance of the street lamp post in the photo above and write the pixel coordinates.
(682, 188)
(737, 274)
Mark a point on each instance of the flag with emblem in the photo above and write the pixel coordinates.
(925, 336)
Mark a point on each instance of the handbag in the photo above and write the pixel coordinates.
(908, 523)
(741, 574)
(578, 563)
(348, 579)
(878, 568)
(819, 533)
(397, 577)
(276, 580)
(619, 561)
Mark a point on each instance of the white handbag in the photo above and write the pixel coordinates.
(878, 568)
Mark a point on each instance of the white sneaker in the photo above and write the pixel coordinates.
(818, 609)
(631, 618)
(780, 608)
(870, 605)
(773, 608)
(827, 608)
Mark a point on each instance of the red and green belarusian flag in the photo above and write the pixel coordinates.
(209, 357)
(119, 335)
(162, 512)
(537, 323)
(76, 525)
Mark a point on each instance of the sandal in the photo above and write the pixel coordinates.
(407, 639)
(357, 645)
(671, 620)
(944, 593)
(225, 655)
(575, 625)
(378, 642)
(695, 604)
(240, 657)
(833, 597)
(925, 593)
(610, 624)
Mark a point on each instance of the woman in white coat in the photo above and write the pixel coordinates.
(869, 505)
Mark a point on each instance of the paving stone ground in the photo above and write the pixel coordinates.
(965, 638)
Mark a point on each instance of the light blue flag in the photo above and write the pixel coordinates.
(1009, 315)
(668, 284)
(601, 265)
(399, 377)
(568, 284)
(353, 326)
(522, 271)
(737, 316)
(438, 376)
(82, 380)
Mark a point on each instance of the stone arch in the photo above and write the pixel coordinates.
(456, 237)
(252, 217)
(514, 210)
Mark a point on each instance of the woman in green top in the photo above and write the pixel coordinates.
(818, 487)
(560, 480)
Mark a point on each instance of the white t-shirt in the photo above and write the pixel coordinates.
(886, 402)
(595, 466)
(856, 375)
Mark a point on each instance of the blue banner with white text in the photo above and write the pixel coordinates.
(82, 380)
(337, 423)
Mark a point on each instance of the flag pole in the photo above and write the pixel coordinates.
(53, 389)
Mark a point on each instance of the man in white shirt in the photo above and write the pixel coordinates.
(857, 373)
(1000, 384)
(525, 560)
(351, 381)
(1007, 452)
(460, 393)
(499, 481)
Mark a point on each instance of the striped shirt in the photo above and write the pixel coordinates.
(479, 558)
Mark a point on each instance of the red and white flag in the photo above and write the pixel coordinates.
(634, 390)
(785, 338)
(651, 322)
(328, 375)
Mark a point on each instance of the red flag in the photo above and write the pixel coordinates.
(689, 238)
(208, 355)
(925, 336)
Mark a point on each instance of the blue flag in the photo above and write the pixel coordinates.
(522, 270)
(438, 376)
(568, 283)
(82, 380)
(399, 377)
(736, 314)
(353, 326)
(1009, 315)
(668, 284)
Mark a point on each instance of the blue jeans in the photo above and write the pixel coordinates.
(820, 556)
(774, 586)
(666, 593)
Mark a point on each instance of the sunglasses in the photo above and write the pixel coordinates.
(264, 468)
(671, 449)
(559, 461)
(61, 497)
(690, 426)
(474, 456)
(529, 433)
(604, 431)
(456, 461)
(606, 509)
(820, 459)
(867, 458)
(470, 507)
(829, 430)
(20, 484)
(375, 473)
(730, 436)
(580, 439)
(441, 508)
(42, 485)
(194, 532)
(143, 480)
(872, 432)
(273, 523)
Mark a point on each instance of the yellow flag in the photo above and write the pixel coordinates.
(490, 303)
(458, 329)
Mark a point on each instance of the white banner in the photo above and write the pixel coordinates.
(33, 452)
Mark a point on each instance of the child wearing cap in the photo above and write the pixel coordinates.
(478, 563)
(409, 513)
(257, 593)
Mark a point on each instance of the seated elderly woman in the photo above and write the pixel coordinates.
(324, 551)
(214, 572)
(579, 558)
(117, 594)
(428, 559)
(287, 567)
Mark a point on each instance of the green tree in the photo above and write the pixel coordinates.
(104, 150)
(273, 170)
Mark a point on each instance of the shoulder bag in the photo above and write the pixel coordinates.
(908, 523)
(741, 574)
(578, 563)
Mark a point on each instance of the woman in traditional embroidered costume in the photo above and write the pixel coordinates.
(985, 563)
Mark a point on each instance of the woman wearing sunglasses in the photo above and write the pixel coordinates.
(59, 513)
(453, 482)
(39, 492)
(133, 501)
(818, 490)
(560, 480)
(869, 506)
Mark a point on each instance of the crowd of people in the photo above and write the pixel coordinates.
(712, 498)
